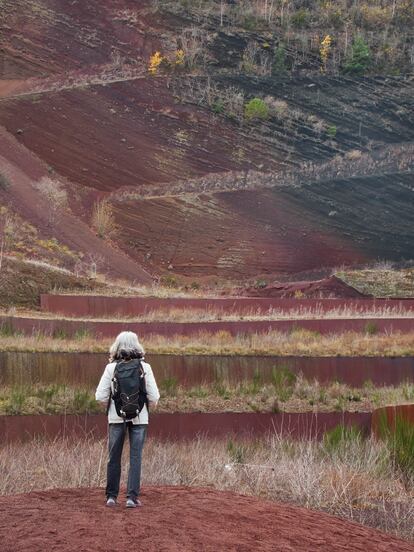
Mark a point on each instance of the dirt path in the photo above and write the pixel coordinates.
(177, 519)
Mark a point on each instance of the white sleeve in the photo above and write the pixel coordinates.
(104, 387)
(152, 389)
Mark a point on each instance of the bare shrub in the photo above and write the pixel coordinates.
(193, 43)
(228, 101)
(103, 219)
(255, 61)
(93, 262)
(56, 195)
(278, 108)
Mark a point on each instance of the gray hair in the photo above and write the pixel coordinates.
(126, 345)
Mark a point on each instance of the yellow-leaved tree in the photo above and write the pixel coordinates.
(324, 50)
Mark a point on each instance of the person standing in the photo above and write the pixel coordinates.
(126, 350)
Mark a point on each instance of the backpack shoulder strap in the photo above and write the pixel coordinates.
(108, 406)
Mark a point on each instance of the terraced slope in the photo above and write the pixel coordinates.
(77, 96)
(280, 230)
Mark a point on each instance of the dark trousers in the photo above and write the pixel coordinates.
(137, 434)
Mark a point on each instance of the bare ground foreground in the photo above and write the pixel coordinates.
(177, 519)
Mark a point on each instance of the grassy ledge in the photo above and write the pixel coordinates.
(297, 342)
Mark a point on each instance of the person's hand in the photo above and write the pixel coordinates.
(153, 404)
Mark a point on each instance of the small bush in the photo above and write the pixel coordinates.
(256, 109)
(169, 280)
(371, 328)
(331, 131)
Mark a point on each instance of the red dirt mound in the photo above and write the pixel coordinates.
(177, 519)
(331, 287)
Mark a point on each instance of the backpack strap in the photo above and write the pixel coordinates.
(108, 406)
(145, 385)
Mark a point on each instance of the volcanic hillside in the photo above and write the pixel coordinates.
(316, 172)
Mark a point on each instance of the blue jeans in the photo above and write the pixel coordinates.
(137, 434)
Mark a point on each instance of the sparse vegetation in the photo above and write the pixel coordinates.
(298, 343)
(357, 482)
(399, 438)
(103, 219)
(49, 399)
(287, 392)
(214, 314)
(56, 196)
(381, 281)
(350, 25)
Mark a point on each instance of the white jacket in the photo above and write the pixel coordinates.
(104, 389)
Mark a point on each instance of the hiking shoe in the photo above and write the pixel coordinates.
(111, 501)
(133, 503)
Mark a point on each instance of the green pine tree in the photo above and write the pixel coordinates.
(360, 58)
(279, 62)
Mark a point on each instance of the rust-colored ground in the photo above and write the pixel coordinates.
(177, 519)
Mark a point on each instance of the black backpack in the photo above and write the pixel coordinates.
(129, 389)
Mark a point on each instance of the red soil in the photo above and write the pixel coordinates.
(231, 234)
(54, 36)
(128, 134)
(328, 287)
(177, 519)
(22, 169)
